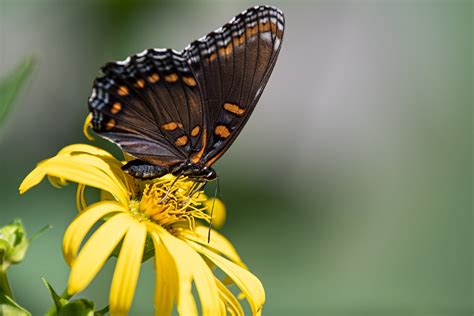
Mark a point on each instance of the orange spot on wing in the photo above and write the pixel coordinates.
(213, 56)
(110, 124)
(251, 31)
(189, 81)
(153, 78)
(195, 131)
(122, 90)
(213, 159)
(239, 40)
(171, 126)
(197, 156)
(222, 131)
(116, 107)
(234, 108)
(224, 51)
(181, 141)
(140, 83)
(171, 78)
(264, 26)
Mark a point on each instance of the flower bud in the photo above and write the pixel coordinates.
(13, 243)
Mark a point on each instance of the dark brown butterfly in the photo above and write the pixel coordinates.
(178, 112)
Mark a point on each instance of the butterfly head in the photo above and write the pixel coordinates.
(210, 174)
(196, 171)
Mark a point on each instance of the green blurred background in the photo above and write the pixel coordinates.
(349, 190)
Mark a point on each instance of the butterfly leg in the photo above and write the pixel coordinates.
(216, 192)
(144, 170)
(199, 187)
(169, 189)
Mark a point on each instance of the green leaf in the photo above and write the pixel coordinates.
(40, 232)
(11, 84)
(80, 307)
(58, 300)
(63, 307)
(9, 307)
(149, 251)
(102, 312)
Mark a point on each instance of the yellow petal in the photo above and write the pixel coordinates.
(222, 309)
(96, 251)
(216, 208)
(230, 300)
(57, 182)
(250, 286)
(190, 266)
(98, 164)
(127, 269)
(217, 243)
(185, 299)
(81, 225)
(84, 148)
(81, 203)
(33, 178)
(95, 151)
(166, 287)
(85, 127)
(81, 168)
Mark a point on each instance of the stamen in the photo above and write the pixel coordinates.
(170, 201)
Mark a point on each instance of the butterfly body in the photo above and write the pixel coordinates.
(143, 170)
(179, 111)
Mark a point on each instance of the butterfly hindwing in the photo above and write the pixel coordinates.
(150, 105)
(232, 66)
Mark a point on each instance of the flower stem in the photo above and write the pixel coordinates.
(54, 309)
(4, 285)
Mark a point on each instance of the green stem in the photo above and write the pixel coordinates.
(4, 285)
(52, 311)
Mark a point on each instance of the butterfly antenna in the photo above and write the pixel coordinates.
(169, 189)
(212, 211)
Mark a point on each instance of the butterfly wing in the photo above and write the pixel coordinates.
(232, 66)
(165, 107)
(149, 105)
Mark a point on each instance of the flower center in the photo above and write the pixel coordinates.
(169, 202)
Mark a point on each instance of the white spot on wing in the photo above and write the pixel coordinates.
(277, 43)
(123, 62)
(93, 95)
(267, 36)
(141, 54)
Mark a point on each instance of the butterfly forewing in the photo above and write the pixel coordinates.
(232, 66)
(152, 94)
(167, 107)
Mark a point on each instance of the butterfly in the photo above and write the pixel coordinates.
(179, 111)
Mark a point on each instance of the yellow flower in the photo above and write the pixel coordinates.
(132, 212)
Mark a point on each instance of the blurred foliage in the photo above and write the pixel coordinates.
(9, 307)
(123, 9)
(63, 306)
(13, 247)
(11, 84)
